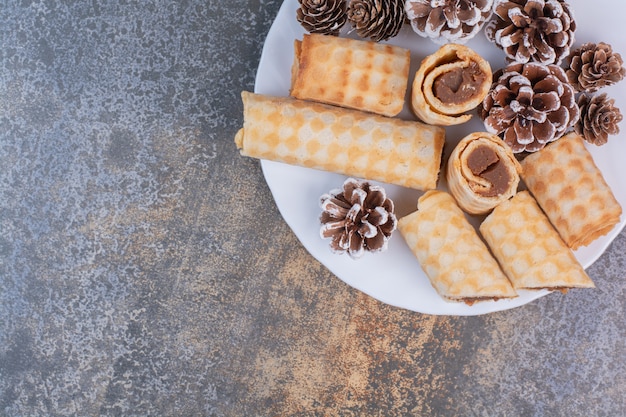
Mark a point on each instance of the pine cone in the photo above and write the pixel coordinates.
(448, 20)
(377, 20)
(595, 66)
(533, 30)
(529, 105)
(357, 218)
(599, 118)
(322, 16)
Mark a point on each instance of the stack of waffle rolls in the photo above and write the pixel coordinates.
(351, 73)
(450, 252)
(340, 140)
(571, 190)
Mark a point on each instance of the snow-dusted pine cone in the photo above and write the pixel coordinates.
(599, 118)
(593, 66)
(448, 20)
(533, 30)
(322, 16)
(377, 20)
(357, 218)
(529, 105)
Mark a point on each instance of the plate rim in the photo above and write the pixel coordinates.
(267, 167)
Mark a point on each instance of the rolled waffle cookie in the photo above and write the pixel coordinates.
(449, 83)
(571, 190)
(352, 73)
(530, 251)
(335, 139)
(452, 255)
(482, 172)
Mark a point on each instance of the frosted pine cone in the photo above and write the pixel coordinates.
(322, 16)
(593, 66)
(533, 30)
(530, 105)
(377, 20)
(599, 118)
(448, 20)
(357, 218)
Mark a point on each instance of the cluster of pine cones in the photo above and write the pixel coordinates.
(537, 35)
(377, 20)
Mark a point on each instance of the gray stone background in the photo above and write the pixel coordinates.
(145, 269)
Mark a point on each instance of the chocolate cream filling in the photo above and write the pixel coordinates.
(485, 163)
(460, 84)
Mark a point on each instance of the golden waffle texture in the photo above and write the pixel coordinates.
(571, 190)
(530, 251)
(344, 141)
(451, 253)
(362, 75)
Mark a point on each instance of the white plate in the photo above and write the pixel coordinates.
(395, 276)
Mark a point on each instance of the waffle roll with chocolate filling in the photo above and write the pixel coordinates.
(448, 84)
(529, 250)
(340, 140)
(571, 190)
(452, 255)
(482, 172)
(351, 73)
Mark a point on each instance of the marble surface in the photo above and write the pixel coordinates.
(145, 269)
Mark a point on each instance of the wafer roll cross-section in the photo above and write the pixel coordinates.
(448, 84)
(571, 190)
(529, 250)
(352, 73)
(482, 172)
(452, 255)
(339, 140)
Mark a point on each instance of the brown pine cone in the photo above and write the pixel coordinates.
(322, 16)
(593, 66)
(529, 105)
(533, 30)
(357, 218)
(599, 118)
(377, 20)
(448, 20)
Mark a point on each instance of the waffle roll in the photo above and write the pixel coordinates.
(344, 141)
(352, 73)
(449, 83)
(482, 172)
(452, 255)
(571, 190)
(530, 251)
